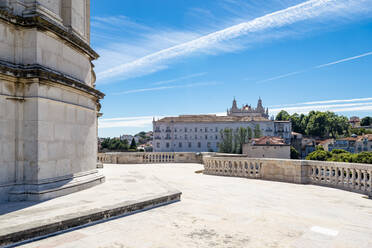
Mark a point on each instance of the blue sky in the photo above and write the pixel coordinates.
(170, 57)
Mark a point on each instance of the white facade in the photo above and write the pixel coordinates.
(201, 133)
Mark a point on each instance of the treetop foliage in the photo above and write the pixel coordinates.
(316, 123)
(338, 155)
(366, 121)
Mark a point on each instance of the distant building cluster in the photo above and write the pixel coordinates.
(354, 144)
(128, 138)
(201, 133)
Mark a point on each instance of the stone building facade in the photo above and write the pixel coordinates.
(201, 133)
(267, 147)
(48, 102)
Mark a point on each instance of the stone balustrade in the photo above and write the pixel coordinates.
(148, 157)
(347, 176)
(158, 157)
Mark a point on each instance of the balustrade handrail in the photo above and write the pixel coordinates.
(347, 176)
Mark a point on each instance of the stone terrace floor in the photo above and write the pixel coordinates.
(230, 212)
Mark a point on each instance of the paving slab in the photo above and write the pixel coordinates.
(222, 212)
(123, 193)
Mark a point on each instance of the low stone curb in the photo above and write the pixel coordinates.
(29, 231)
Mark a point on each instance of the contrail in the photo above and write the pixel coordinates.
(304, 11)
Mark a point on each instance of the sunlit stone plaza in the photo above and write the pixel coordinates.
(218, 211)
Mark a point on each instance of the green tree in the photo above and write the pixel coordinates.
(133, 145)
(257, 131)
(319, 155)
(296, 123)
(319, 147)
(226, 144)
(318, 124)
(338, 125)
(240, 139)
(366, 121)
(249, 133)
(363, 157)
(338, 155)
(294, 153)
(282, 116)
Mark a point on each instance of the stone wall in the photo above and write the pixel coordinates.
(347, 176)
(267, 151)
(149, 157)
(48, 103)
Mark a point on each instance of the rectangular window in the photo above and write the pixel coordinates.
(199, 144)
(206, 136)
(196, 137)
(216, 137)
(209, 144)
(175, 136)
(167, 145)
(189, 144)
(206, 129)
(185, 130)
(157, 145)
(196, 129)
(180, 144)
(185, 136)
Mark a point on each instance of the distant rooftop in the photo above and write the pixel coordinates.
(212, 118)
(268, 140)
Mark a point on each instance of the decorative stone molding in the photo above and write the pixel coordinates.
(43, 22)
(42, 72)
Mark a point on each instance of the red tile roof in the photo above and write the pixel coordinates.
(268, 140)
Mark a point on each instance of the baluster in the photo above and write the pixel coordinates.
(352, 178)
(365, 180)
(359, 179)
(342, 177)
(313, 174)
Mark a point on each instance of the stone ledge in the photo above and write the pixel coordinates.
(42, 72)
(11, 236)
(51, 188)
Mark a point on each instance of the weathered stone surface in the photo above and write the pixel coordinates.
(233, 212)
(125, 192)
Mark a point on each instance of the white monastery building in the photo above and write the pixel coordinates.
(201, 133)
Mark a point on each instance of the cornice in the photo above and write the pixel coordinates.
(42, 72)
(43, 22)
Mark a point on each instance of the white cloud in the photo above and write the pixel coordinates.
(219, 41)
(325, 101)
(345, 105)
(302, 109)
(315, 67)
(179, 79)
(280, 76)
(166, 88)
